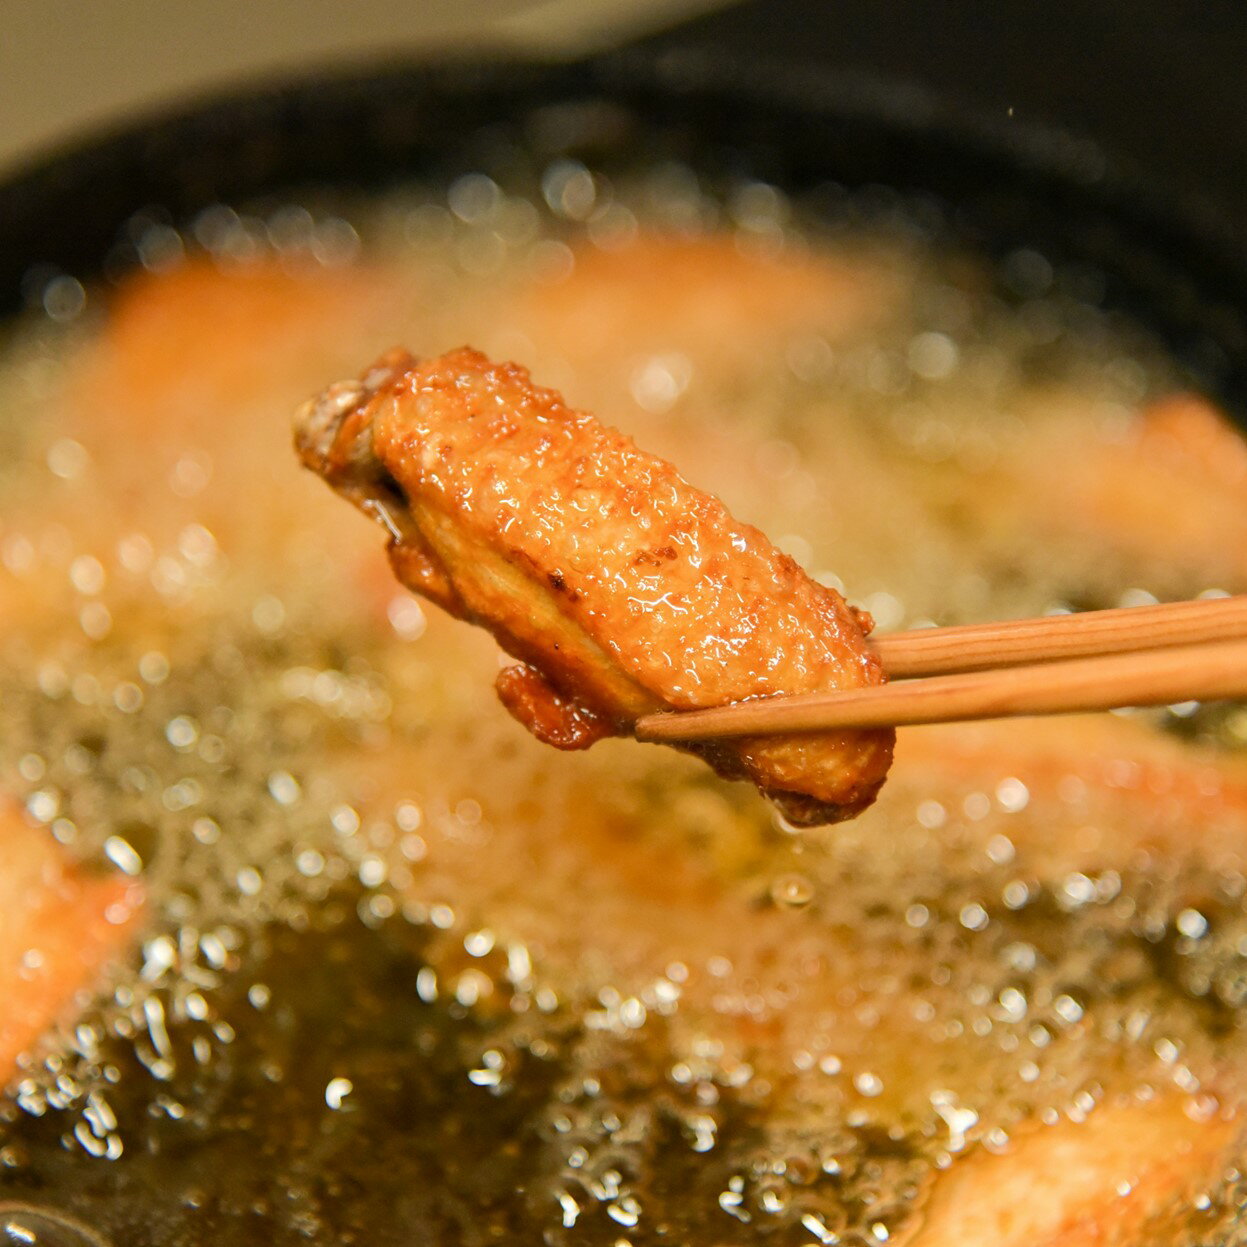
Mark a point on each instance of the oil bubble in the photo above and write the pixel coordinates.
(792, 891)
(30, 1226)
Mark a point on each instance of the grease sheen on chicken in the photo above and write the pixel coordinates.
(619, 587)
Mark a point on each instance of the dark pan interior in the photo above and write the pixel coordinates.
(800, 128)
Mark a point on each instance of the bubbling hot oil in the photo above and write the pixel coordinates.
(351, 1016)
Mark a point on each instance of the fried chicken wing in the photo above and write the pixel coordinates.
(59, 927)
(1108, 1179)
(620, 587)
(1156, 496)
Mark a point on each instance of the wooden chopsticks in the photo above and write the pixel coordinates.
(978, 647)
(1100, 660)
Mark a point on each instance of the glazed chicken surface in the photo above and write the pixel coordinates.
(620, 587)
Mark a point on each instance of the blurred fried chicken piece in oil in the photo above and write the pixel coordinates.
(619, 587)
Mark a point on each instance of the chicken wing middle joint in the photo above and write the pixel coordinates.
(619, 587)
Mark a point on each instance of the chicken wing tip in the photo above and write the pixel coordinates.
(318, 422)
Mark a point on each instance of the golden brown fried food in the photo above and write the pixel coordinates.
(1158, 494)
(701, 303)
(1085, 1184)
(620, 587)
(59, 927)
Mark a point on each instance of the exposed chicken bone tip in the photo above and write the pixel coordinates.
(349, 463)
(319, 421)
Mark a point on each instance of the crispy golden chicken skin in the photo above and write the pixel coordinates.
(620, 587)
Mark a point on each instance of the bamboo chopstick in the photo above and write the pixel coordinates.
(979, 647)
(1153, 677)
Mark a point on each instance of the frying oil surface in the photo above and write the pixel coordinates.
(401, 970)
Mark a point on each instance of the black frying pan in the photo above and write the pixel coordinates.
(797, 126)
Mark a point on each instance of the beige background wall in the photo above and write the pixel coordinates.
(70, 65)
